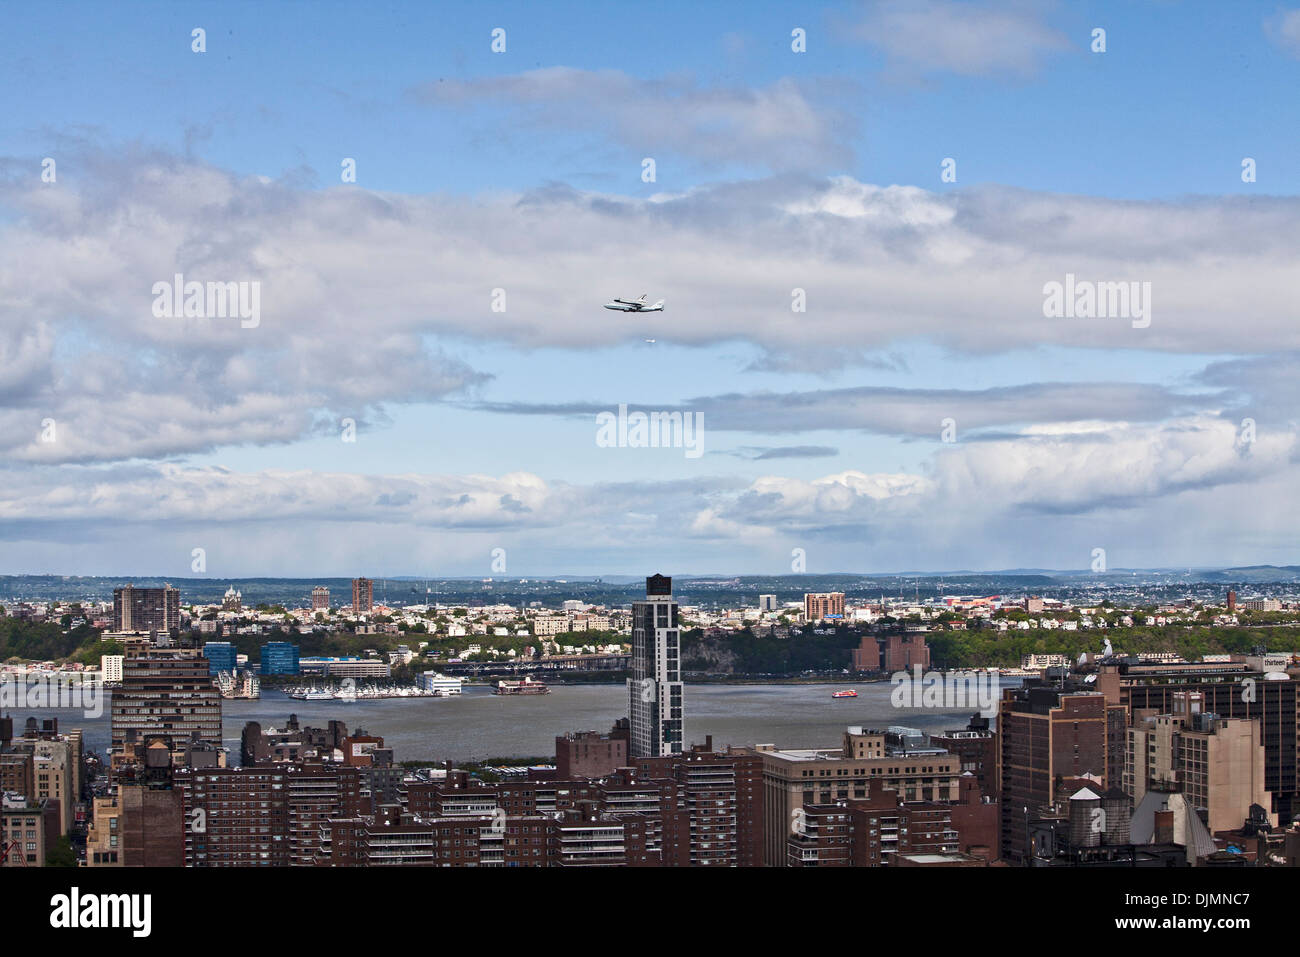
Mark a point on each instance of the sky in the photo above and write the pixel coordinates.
(855, 213)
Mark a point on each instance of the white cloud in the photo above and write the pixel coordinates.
(362, 290)
(921, 412)
(1045, 493)
(778, 127)
(966, 37)
(358, 287)
(1283, 29)
(1118, 465)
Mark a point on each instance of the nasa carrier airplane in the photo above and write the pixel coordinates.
(635, 305)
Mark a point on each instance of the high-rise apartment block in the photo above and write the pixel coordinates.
(818, 606)
(166, 691)
(154, 611)
(1046, 734)
(655, 688)
(363, 596)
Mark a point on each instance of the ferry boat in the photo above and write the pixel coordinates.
(311, 693)
(526, 686)
(845, 694)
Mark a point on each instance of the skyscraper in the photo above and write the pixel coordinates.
(320, 598)
(170, 692)
(363, 596)
(1045, 734)
(152, 610)
(655, 688)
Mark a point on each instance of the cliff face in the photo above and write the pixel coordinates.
(746, 653)
(716, 657)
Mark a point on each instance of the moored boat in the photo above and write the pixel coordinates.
(526, 686)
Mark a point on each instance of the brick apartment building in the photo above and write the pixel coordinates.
(363, 596)
(151, 611)
(589, 754)
(1047, 733)
(893, 652)
(977, 748)
(821, 605)
(880, 829)
(795, 779)
(298, 805)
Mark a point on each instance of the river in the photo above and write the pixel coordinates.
(478, 724)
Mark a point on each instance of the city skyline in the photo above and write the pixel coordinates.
(602, 437)
(856, 245)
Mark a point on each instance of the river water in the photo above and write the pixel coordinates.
(478, 724)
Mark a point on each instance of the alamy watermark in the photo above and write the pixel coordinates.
(27, 692)
(179, 299)
(952, 690)
(1085, 299)
(653, 430)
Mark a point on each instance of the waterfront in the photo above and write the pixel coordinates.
(478, 724)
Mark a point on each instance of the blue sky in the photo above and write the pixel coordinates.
(522, 170)
(1182, 89)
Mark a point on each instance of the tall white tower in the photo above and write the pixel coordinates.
(655, 688)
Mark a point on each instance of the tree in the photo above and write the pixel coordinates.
(61, 854)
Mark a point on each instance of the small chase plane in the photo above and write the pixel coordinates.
(635, 305)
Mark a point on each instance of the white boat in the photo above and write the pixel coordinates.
(311, 694)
